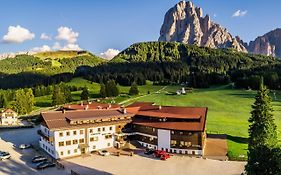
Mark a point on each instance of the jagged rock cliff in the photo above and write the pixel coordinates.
(268, 44)
(185, 23)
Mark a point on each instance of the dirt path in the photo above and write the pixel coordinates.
(134, 99)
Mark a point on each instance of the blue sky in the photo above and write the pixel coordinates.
(118, 24)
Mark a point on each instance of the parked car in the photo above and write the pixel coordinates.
(104, 153)
(4, 155)
(163, 155)
(45, 165)
(24, 146)
(149, 151)
(38, 159)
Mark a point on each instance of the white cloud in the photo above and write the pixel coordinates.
(17, 34)
(239, 13)
(44, 36)
(71, 47)
(43, 48)
(110, 53)
(67, 34)
(57, 46)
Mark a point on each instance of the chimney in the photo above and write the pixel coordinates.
(63, 111)
(87, 107)
(124, 111)
(81, 103)
(160, 107)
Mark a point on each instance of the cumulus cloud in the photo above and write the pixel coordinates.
(43, 48)
(67, 34)
(110, 53)
(17, 34)
(239, 13)
(57, 46)
(44, 36)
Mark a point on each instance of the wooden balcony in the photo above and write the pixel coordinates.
(48, 138)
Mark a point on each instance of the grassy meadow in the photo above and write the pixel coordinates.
(228, 109)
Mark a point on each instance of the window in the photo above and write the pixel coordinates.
(109, 136)
(94, 146)
(180, 151)
(108, 144)
(110, 128)
(68, 143)
(61, 134)
(91, 130)
(81, 131)
(81, 140)
(74, 141)
(186, 152)
(61, 153)
(98, 129)
(119, 126)
(68, 152)
(67, 133)
(52, 152)
(74, 132)
(173, 142)
(175, 151)
(91, 139)
(61, 143)
(75, 150)
(103, 129)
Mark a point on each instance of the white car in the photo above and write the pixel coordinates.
(24, 146)
(4, 155)
(104, 153)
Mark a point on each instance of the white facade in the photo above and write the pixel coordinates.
(164, 139)
(8, 118)
(75, 142)
(164, 143)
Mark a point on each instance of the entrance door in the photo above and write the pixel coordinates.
(83, 151)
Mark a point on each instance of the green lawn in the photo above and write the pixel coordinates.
(228, 109)
(228, 112)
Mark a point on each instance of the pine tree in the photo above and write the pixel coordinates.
(3, 101)
(262, 137)
(134, 89)
(57, 98)
(85, 94)
(102, 91)
(111, 89)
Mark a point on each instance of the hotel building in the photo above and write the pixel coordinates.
(81, 129)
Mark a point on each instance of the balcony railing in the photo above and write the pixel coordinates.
(48, 138)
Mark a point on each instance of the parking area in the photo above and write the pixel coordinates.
(147, 164)
(20, 161)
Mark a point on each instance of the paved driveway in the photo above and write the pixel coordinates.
(145, 165)
(20, 161)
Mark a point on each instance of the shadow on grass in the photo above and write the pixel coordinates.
(43, 104)
(237, 139)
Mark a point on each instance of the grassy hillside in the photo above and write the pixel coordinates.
(49, 62)
(61, 54)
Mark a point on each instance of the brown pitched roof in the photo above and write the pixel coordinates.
(196, 114)
(59, 119)
(93, 105)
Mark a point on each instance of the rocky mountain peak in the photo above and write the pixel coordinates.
(268, 44)
(185, 23)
